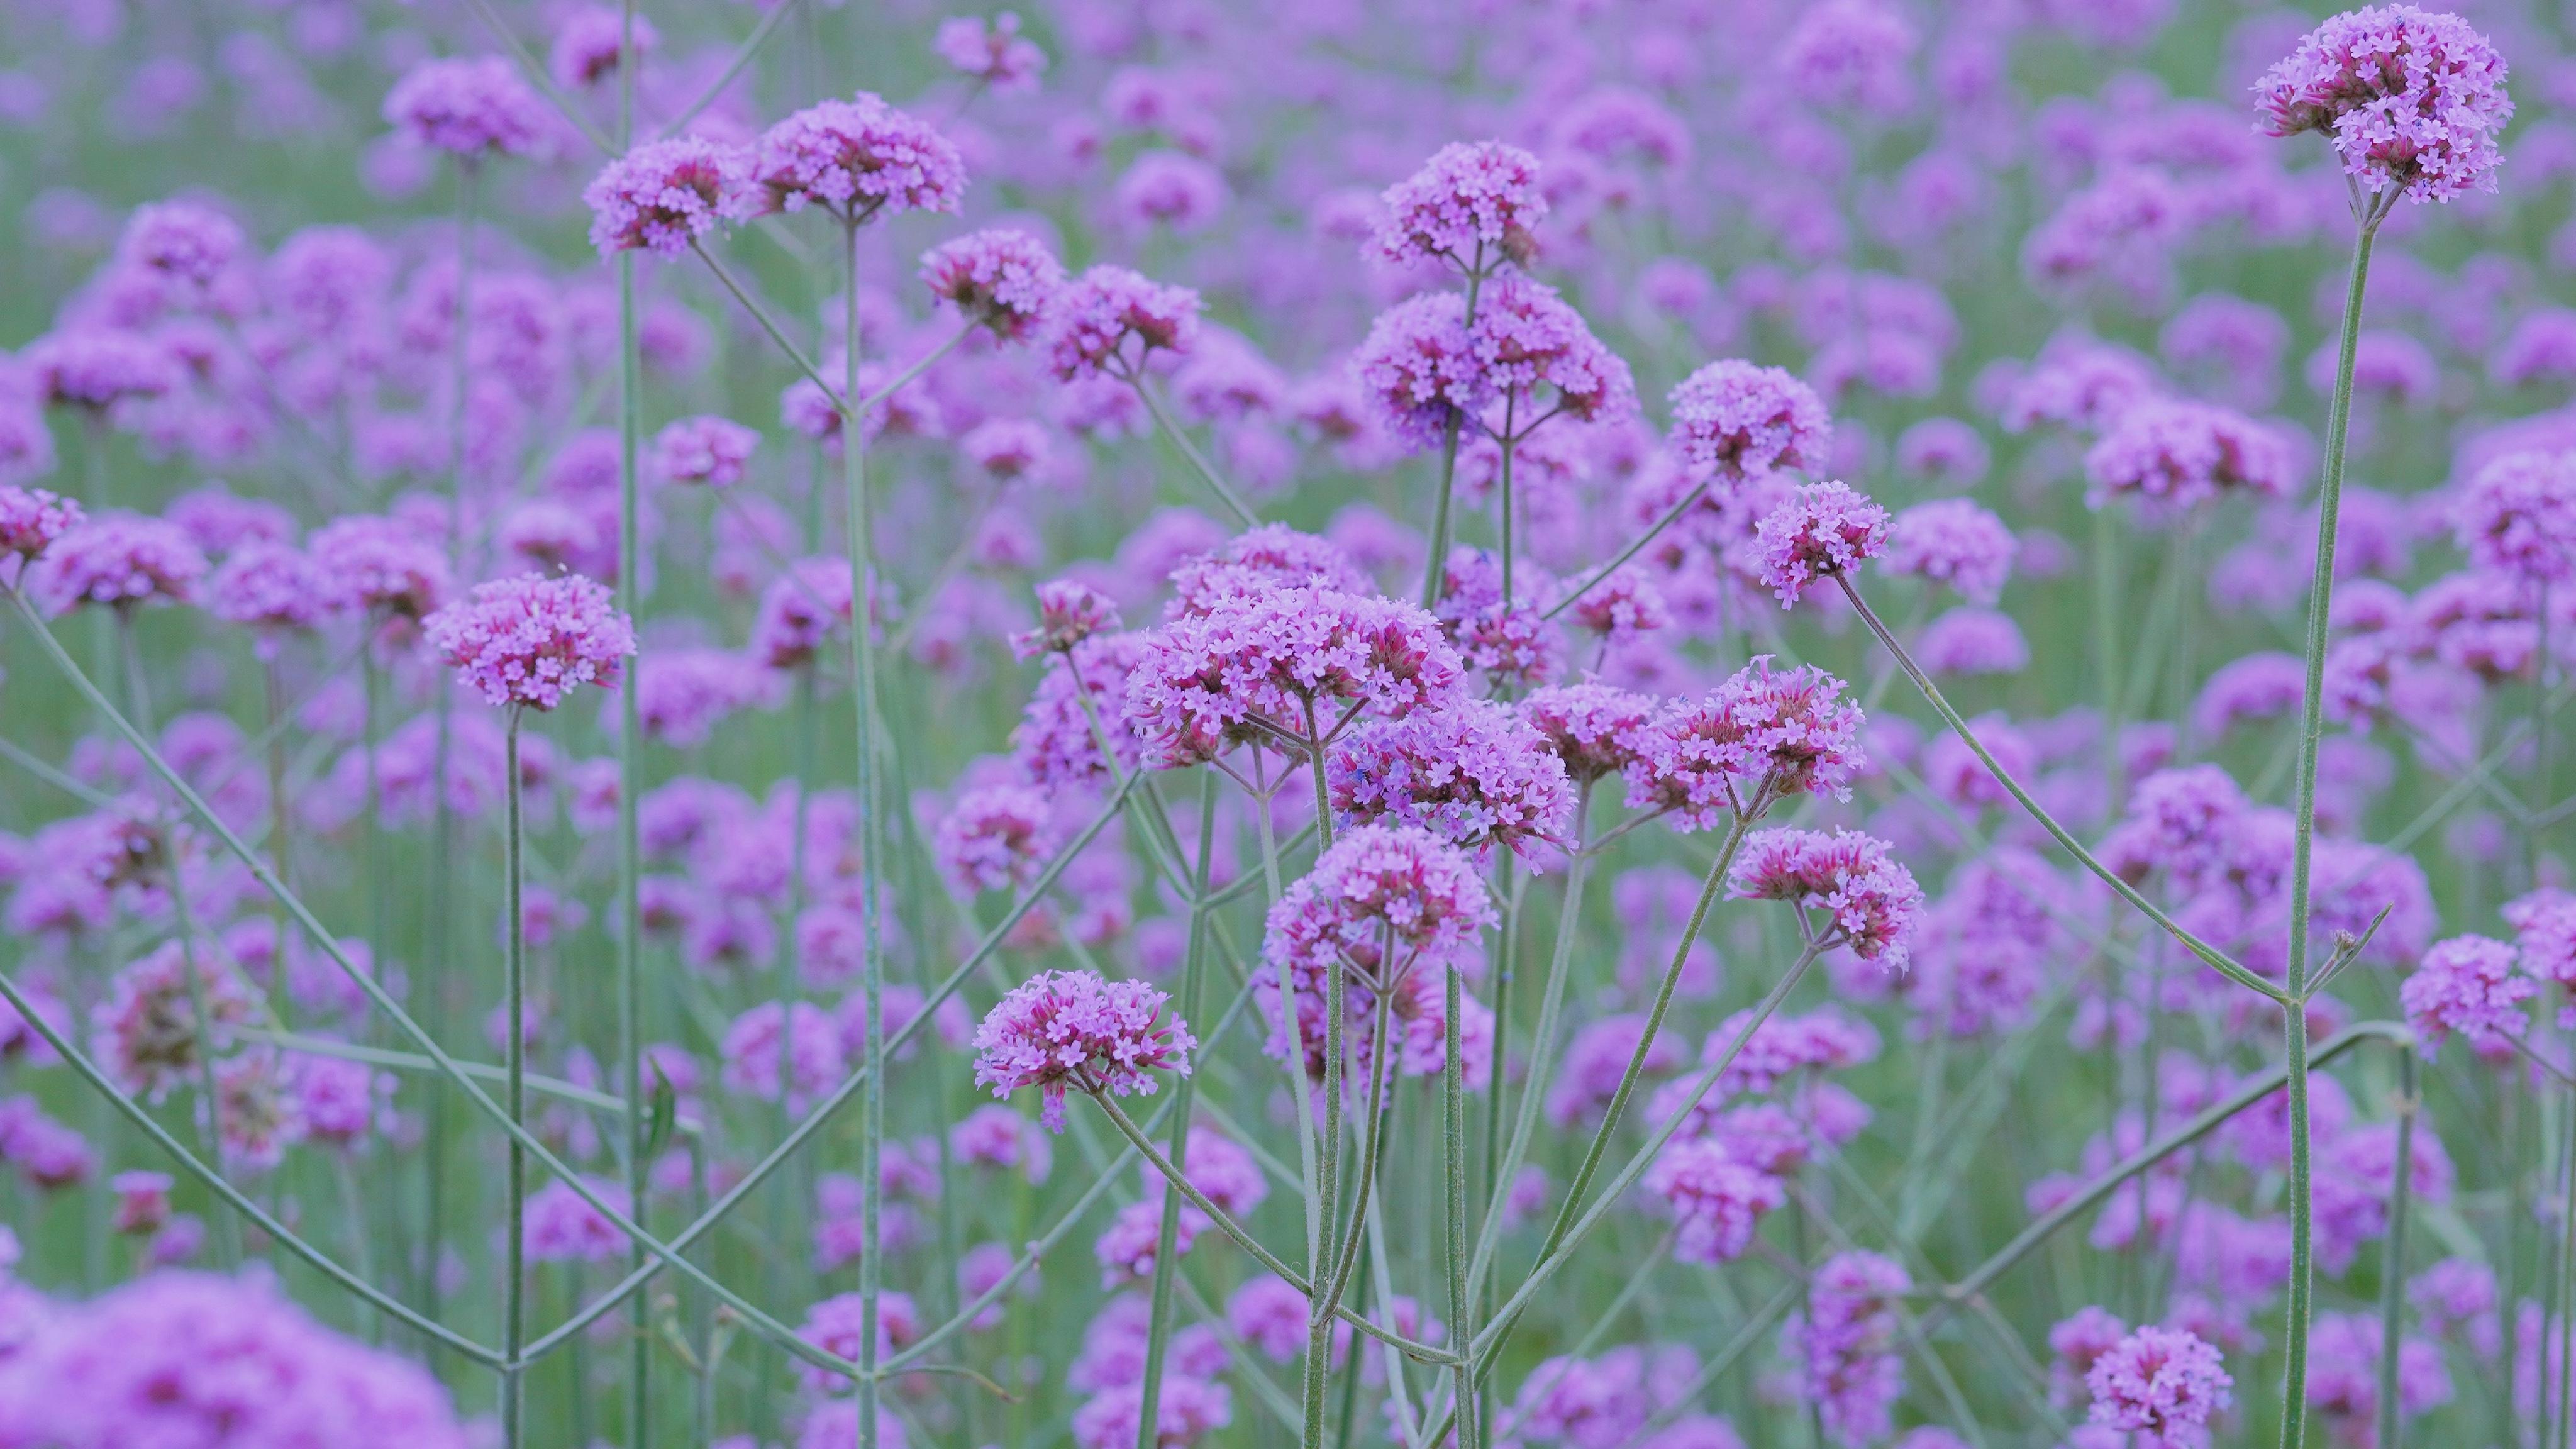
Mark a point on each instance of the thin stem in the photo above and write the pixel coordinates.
(1167, 1267)
(2392, 1268)
(2215, 958)
(1198, 462)
(859, 508)
(630, 773)
(742, 57)
(2303, 824)
(838, 396)
(1635, 547)
(1453, 1131)
(1434, 572)
(514, 1323)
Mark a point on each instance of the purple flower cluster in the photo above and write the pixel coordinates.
(855, 158)
(2412, 99)
(662, 196)
(1872, 903)
(1472, 205)
(1071, 1028)
(531, 641)
(1474, 773)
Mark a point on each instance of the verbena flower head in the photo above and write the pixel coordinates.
(855, 158)
(1252, 668)
(1716, 1200)
(2413, 99)
(1002, 277)
(31, 519)
(1740, 419)
(1595, 729)
(96, 368)
(1953, 541)
(590, 43)
(123, 560)
(1471, 772)
(269, 586)
(665, 194)
(1269, 556)
(1873, 901)
(382, 566)
(531, 641)
(1824, 529)
(1105, 322)
(799, 610)
(187, 254)
(1761, 735)
(194, 1358)
(2164, 1384)
(2175, 455)
(1851, 54)
(994, 838)
(469, 107)
(1068, 613)
(2518, 515)
(704, 449)
(1526, 337)
(1420, 369)
(1472, 205)
(2467, 984)
(1055, 744)
(1848, 1344)
(991, 51)
(1384, 900)
(2544, 925)
(1071, 1028)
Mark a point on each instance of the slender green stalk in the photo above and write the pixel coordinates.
(514, 1308)
(2566, 1341)
(1453, 1133)
(1167, 1240)
(1435, 569)
(2392, 1268)
(742, 57)
(2303, 824)
(630, 774)
(1197, 460)
(1636, 546)
(860, 523)
(1543, 1051)
(1503, 489)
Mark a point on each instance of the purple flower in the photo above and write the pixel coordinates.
(2518, 516)
(2467, 984)
(558, 1226)
(468, 107)
(2544, 924)
(31, 519)
(1172, 188)
(1068, 613)
(705, 449)
(1093, 320)
(532, 641)
(95, 368)
(1595, 729)
(1062, 1028)
(1970, 640)
(124, 560)
(382, 566)
(271, 587)
(664, 195)
(853, 159)
(1953, 541)
(1757, 737)
(1740, 420)
(1850, 54)
(992, 52)
(834, 1325)
(1873, 902)
(2413, 99)
(191, 1358)
(995, 837)
(2263, 685)
(1525, 335)
(1055, 743)
(589, 43)
(1716, 1201)
(1276, 666)
(2175, 455)
(1473, 773)
(1004, 278)
(1420, 368)
(1945, 451)
(1471, 206)
(1848, 1344)
(801, 609)
(1189, 1410)
(2163, 1383)
(814, 1062)
(1823, 529)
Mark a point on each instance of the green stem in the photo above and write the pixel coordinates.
(1167, 1267)
(514, 1323)
(1198, 462)
(2303, 823)
(1453, 1131)
(860, 522)
(2392, 1270)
